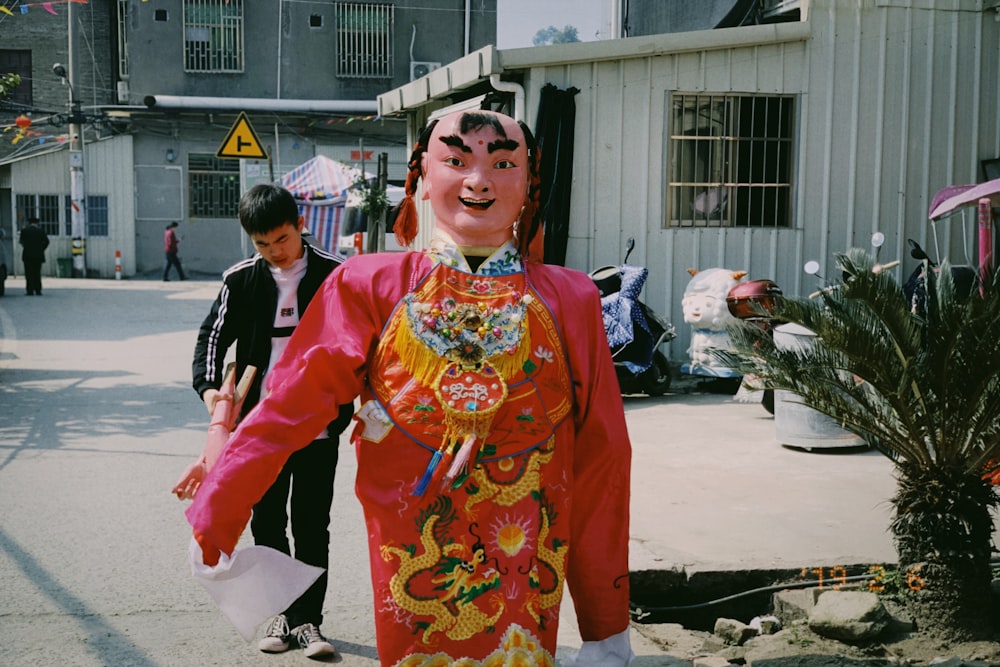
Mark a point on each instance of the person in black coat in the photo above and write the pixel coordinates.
(260, 303)
(35, 241)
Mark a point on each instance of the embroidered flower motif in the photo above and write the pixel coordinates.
(544, 353)
(482, 286)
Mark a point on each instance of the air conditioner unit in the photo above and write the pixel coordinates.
(419, 68)
(123, 92)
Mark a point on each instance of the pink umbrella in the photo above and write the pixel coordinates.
(949, 199)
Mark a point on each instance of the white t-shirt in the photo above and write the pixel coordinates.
(286, 315)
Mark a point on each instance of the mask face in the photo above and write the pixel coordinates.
(476, 176)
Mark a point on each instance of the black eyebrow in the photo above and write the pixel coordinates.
(502, 144)
(455, 141)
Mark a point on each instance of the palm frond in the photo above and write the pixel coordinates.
(923, 387)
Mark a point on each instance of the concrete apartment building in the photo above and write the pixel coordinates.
(161, 85)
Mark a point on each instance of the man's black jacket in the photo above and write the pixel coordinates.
(243, 313)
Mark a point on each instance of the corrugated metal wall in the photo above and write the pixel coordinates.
(107, 171)
(895, 100)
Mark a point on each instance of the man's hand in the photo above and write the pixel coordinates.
(190, 480)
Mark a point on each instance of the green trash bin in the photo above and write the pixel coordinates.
(64, 267)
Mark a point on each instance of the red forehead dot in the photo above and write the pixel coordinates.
(480, 142)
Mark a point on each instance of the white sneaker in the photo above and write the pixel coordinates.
(277, 638)
(312, 641)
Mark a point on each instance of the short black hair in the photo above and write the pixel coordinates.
(267, 206)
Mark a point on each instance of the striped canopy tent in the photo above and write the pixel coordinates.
(320, 187)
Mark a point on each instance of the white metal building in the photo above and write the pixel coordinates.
(757, 148)
(44, 178)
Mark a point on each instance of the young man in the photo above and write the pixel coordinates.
(493, 457)
(258, 307)
(170, 248)
(34, 241)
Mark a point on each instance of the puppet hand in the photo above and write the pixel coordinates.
(213, 396)
(615, 651)
(189, 481)
(209, 552)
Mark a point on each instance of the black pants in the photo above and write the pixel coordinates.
(174, 261)
(308, 475)
(32, 276)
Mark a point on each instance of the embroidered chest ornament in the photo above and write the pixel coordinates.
(464, 341)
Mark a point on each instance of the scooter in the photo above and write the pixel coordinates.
(635, 332)
(966, 280)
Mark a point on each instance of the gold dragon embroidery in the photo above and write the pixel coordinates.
(459, 580)
(506, 494)
(554, 559)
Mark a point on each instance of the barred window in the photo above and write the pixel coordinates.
(730, 161)
(96, 215)
(364, 40)
(213, 36)
(43, 207)
(213, 185)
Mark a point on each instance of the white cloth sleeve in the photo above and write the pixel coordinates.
(253, 584)
(615, 651)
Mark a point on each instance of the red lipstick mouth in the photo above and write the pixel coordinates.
(482, 204)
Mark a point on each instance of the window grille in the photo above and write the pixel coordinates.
(214, 186)
(364, 40)
(213, 36)
(123, 39)
(730, 161)
(43, 207)
(96, 215)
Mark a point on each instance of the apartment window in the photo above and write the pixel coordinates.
(364, 40)
(18, 61)
(96, 215)
(43, 207)
(730, 161)
(213, 36)
(213, 186)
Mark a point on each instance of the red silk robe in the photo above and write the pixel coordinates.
(468, 571)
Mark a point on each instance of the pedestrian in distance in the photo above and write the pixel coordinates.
(258, 307)
(493, 455)
(34, 241)
(170, 244)
(3, 262)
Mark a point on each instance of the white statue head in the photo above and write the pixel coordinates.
(704, 301)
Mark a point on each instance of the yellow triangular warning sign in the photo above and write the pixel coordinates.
(242, 141)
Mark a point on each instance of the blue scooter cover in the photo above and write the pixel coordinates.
(622, 313)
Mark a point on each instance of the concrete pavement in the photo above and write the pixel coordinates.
(97, 419)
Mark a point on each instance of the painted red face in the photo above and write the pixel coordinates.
(475, 173)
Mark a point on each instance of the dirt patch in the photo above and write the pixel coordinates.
(797, 646)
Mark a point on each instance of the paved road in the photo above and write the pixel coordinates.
(97, 419)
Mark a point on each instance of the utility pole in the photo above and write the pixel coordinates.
(78, 199)
(376, 223)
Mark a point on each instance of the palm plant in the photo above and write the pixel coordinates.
(924, 389)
